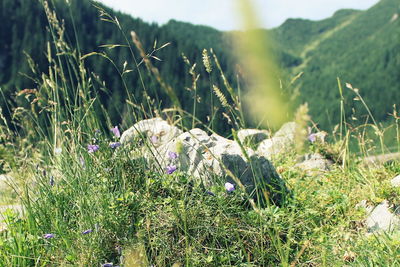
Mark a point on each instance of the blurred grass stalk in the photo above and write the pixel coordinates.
(265, 100)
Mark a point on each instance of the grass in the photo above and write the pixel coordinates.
(111, 205)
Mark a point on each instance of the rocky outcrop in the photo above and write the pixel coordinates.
(282, 141)
(206, 158)
(252, 137)
(314, 164)
(382, 219)
(395, 182)
(157, 130)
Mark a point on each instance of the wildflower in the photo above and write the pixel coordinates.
(171, 169)
(109, 264)
(229, 187)
(115, 145)
(92, 148)
(116, 132)
(312, 137)
(48, 236)
(172, 155)
(88, 231)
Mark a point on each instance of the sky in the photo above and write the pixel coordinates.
(222, 14)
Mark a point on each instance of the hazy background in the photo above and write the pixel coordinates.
(208, 12)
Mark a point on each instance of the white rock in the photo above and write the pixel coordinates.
(208, 158)
(395, 181)
(252, 136)
(281, 142)
(192, 146)
(382, 219)
(287, 130)
(276, 145)
(156, 128)
(314, 163)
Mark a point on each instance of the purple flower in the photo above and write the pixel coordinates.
(88, 231)
(171, 169)
(92, 148)
(115, 145)
(229, 187)
(116, 132)
(154, 139)
(48, 236)
(109, 264)
(172, 155)
(312, 137)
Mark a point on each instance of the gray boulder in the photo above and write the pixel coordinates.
(208, 158)
(156, 129)
(314, 164)
(252, 137)
(395, 182)
(281, 142)
(287, 130)
(382, 219)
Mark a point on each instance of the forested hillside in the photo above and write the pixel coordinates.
(360, 47)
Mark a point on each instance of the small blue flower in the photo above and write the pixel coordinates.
(171, 169)
(109, 264)
(312, 137)
(229, 187)
(92, 148)
(116, 131)
(48, 236)
(115, 145)
(88, 231)
(172, 155)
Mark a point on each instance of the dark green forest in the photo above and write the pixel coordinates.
(360, 47)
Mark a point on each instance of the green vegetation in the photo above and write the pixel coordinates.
(87, 203)
(359, 47)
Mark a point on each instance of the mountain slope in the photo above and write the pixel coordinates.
(360, 47)
(363, 49)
